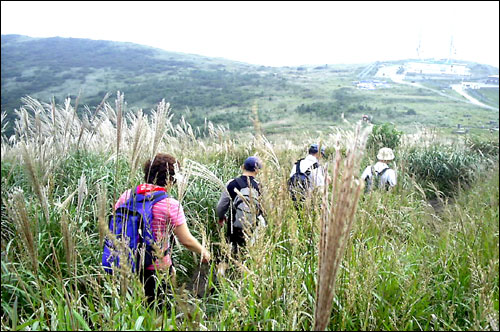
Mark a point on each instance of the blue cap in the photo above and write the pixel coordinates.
(314, 148)
(251, 163)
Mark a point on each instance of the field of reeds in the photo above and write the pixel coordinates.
(346, 261)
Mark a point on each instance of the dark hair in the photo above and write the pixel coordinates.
(314, 148)
(161, 170)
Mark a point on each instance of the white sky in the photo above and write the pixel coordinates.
(274, 33)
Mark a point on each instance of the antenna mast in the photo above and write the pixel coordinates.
(419, 48)
(453, 51)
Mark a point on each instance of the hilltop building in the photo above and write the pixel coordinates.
(436, 69)
(492, 79)
(471, 85)
(371, 84)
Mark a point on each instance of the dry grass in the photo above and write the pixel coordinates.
(120, 105)
(160, 120)
(16, 205)
(34, 178)
(68, 242)
(337, 217)
(138, 141)
(286, 279)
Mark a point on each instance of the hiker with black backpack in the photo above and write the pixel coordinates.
(145, 218)
(306, 175)
(240, 201)
(380, 175)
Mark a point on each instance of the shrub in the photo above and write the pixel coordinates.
(487, 148)
(385, 135)
(445, 167)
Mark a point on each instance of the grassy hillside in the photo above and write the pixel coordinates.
(402, 260)
(63, 67)
(287, 99)
(488, 96)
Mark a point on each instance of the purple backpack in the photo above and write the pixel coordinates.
(132, 221)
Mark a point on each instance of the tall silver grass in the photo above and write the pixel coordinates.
(120, 105)
(82, 192)
(68, 242)
(269, 153)
(337, 216)
(55, 130)
(138, 126)
(16, 206)
(191, 170)
(160, 119)
(102, 208)
(71, 122)
(4, 139)
(255, 120)
(34, 178)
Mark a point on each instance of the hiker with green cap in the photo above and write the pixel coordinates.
(380, 174)
(240, 200)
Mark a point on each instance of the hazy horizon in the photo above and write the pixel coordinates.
(276, 34)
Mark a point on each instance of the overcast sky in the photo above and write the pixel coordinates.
(274, 33)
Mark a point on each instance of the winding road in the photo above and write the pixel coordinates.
(459, 89)
(391, 72)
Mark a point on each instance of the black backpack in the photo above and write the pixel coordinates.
(375, 178)
(300, 182)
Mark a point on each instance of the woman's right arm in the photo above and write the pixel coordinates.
(189, 241)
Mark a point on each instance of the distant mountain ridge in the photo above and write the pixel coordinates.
(59, 67)
(197, 87)
(37, 65)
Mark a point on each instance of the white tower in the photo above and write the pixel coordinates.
(453, 50)
(419, 48)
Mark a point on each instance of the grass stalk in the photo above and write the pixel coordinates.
(336, 223)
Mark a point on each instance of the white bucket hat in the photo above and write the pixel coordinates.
(385, 154)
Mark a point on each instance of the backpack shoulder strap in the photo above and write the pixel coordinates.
(237, 200)
(387, 185)
(157, 196)
(242, 184)
(383, 171)
(313, 166)
(297, 165)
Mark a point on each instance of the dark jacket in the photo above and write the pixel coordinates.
(227, 197)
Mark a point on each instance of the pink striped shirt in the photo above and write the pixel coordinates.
(167, 214)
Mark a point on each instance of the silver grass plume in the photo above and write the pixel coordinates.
(193, 168)
(119, 103)
(34, 178)
(138, 142)
(16, 205)
(161, 117)
(68, 242)
(102, 212)
(337, 216)
(82, 192)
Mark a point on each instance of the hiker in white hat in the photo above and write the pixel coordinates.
(380, 174)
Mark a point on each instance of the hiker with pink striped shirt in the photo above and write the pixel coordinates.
(168, 219)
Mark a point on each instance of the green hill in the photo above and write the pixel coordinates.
(61, 67)
(303, 98)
